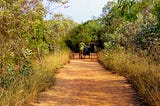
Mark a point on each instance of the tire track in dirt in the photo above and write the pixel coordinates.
(86, 83)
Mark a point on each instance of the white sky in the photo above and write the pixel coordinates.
(82, 10)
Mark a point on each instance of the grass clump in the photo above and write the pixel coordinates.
(143, 73)
(25, 89)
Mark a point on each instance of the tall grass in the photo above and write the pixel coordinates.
(142, 72)
(23, 90)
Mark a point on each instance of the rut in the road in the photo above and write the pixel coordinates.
(87, 83)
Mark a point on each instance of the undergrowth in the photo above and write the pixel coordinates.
(25, 89)
(142, 72)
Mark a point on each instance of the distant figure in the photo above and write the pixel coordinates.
(86, 51)
(92, 46)
(81, 49)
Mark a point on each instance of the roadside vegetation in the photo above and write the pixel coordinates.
(31, 49)
(132, 44)
(127, 34)
(141, 72)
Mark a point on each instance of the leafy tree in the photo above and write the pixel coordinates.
(84, 32)
(156, 11)
(25, 35)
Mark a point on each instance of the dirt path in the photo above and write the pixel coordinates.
(86, 83)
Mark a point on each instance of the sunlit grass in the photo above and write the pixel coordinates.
(142, 72)
(24, 90)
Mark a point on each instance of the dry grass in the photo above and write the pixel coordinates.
(24, 90)
(144, 74)
(84, 82)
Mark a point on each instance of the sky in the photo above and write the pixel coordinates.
(80, 10)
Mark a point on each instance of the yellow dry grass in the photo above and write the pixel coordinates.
(143, 73)
(84, 82)
(43, 77)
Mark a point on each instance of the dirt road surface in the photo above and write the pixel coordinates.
(84, 82)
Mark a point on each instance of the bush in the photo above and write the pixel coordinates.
(21, 89)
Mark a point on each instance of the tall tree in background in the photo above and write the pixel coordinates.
(85, 32)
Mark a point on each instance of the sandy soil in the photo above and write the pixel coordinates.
(84, 82)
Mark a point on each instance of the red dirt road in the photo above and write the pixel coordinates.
(86, 83)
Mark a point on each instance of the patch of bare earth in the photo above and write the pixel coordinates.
(84, 82)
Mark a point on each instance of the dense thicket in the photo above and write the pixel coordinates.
(86, 32)
(134, 25)
(132, 44)
(25, 36)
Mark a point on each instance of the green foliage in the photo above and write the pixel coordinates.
(149, 39)
(131, 36)
(26, 36)
(157, 12)
(137, 24)
(110, 17)
(128, 9)
(84, 32)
